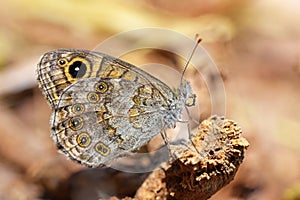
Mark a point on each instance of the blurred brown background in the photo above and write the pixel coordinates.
(255, 44)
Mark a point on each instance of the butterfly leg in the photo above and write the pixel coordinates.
(167, 142)
(191, 138)
(189, 129)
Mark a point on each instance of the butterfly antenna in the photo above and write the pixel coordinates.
(198, 40)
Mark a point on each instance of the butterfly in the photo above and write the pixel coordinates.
(103, 107)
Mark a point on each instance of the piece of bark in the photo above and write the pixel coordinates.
(198, 174)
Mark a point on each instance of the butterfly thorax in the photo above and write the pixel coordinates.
(183, 97)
